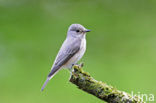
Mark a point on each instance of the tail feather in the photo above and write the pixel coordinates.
(45, 83)
(51, 74)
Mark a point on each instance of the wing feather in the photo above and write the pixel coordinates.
(69, 48)
(67, 51)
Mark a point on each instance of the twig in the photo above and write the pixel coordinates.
(100, 89)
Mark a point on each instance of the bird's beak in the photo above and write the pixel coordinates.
(87, 30)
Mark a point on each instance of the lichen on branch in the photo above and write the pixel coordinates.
(100, 89)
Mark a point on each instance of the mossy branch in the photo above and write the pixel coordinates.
(100, 89)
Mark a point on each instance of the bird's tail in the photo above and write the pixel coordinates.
(47, 80)
(51, 74)
(45, 83)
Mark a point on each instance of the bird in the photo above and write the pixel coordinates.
(71, 51)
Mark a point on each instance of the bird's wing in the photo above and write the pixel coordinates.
(69, 48)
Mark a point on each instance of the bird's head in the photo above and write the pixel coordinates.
(77, 30)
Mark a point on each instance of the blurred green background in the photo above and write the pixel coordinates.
(121, 49)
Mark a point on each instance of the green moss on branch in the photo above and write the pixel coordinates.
(100, 89)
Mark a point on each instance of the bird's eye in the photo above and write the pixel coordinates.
(77, 31)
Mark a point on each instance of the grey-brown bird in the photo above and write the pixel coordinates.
(71, 51)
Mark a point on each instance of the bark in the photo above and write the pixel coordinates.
(101, 90)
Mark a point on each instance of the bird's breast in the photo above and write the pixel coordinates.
(82, 49)
(78, 55)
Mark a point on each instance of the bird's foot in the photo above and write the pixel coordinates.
(71, 70)
(77, 66)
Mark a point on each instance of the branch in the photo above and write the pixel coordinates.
(100, 89)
